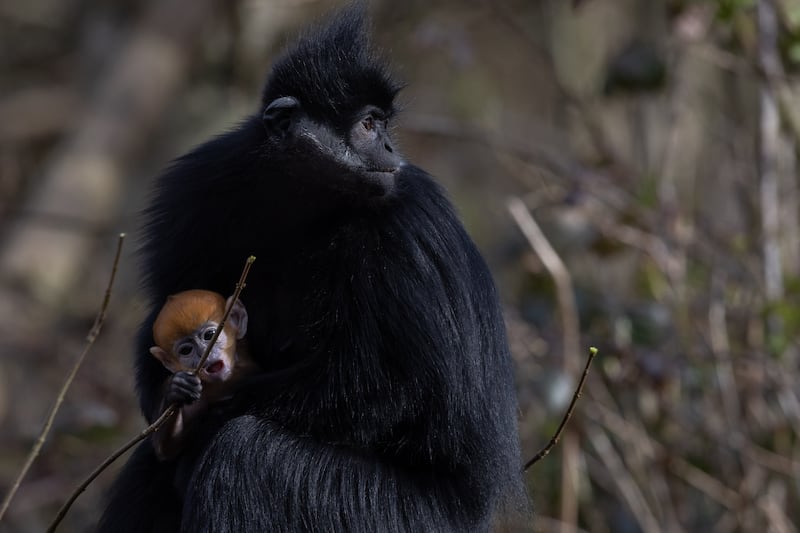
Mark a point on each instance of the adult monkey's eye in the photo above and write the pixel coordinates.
(368, 123)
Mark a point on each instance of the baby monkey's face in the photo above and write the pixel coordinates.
(188, 350)
(186, 325)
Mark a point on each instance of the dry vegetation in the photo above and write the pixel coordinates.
(653, 142)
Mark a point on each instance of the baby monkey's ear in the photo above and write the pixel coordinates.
(170, 363)
(238, 318)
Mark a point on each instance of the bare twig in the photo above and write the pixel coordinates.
(768, 459)
(166, 415)
(720, 347)
(539, 153)
(769, 141)
(590, 118)
(240, 285)
(559, 273)
(553, 441)
(90, 338)
(640, 440)
(772, 505)
(623, 480)
(653, 245)
(570, 331)
(546, 523)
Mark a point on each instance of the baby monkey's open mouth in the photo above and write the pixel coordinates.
(215, 367)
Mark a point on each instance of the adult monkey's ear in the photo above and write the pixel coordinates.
(279, 115)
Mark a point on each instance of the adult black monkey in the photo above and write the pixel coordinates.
(388, 403)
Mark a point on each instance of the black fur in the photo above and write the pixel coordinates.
(388, 400)
(335, 71)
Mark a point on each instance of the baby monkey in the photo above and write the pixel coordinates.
(182, 331)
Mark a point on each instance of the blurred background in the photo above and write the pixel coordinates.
(628, 167)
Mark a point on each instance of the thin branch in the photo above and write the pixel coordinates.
(623, 480)
(638, 439)
(570, 333)
(769, 136)
(557, 270)
(773, 505)
(240, 285)
(90, 339)
(566, 300)
(721, 349)
(166, 415)
(591, 122)
(546, 523)
(553, 441)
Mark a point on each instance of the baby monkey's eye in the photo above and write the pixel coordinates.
(185, 349)
(209, 334)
